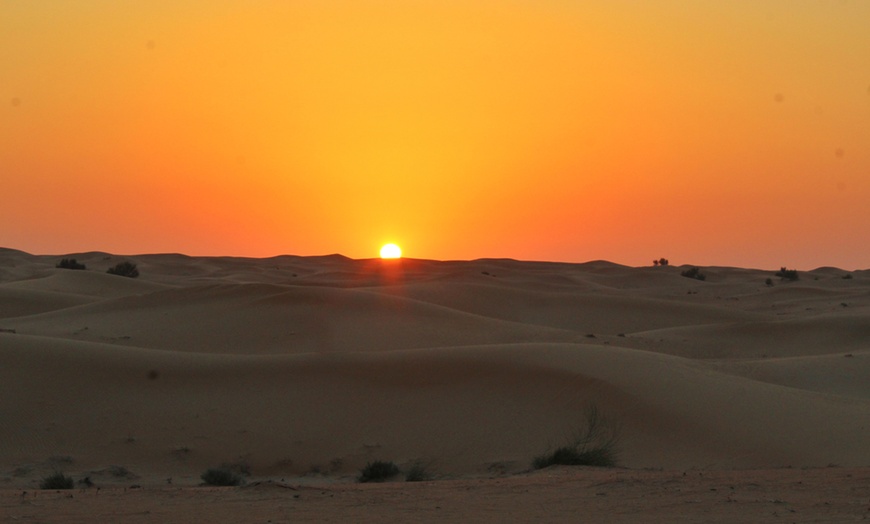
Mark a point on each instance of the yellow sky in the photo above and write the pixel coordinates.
(729, 133)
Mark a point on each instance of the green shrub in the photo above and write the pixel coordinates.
(124, 269)
(222, 476)
(57, 480)
(378, 471)
(594, 444)
(70, 263)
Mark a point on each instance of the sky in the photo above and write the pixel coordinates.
(710, 133)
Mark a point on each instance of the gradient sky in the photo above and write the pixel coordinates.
(710, 133)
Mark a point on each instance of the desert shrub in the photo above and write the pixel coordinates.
(594, 444)
(660, 262)
(572, 456)
(378, 471)
(787, 274)
(86, 482)
(124, 269)
(769, 282)
(847, 276)
(418, 472)
(222, 476)
(57, 480)
(695, 273)
(70, 263)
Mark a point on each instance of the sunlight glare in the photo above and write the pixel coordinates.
(391, 251)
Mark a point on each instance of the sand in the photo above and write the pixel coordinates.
(304, 369)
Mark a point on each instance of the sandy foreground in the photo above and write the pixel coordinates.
(736, 400)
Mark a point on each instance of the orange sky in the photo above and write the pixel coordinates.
(710, 133)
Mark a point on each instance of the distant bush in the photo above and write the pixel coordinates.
(769, 282)
(57, 480)
(222, 476)
(787, 274)
(124, 269)
(694, 273)
(847, 276)
(378, 471)
(594, 444)
(660, 262)
(418, 472)
(70, 263)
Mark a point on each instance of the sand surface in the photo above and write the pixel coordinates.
(303, 369)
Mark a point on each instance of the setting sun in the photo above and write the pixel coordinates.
(391, 251)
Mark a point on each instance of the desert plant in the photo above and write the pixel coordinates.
(57, 480)
(769, 282)
(378, 471)
(787, 274)
(695, 273)
(660, 262)
(70, 263)
(418, 472)
(594, 444)
(124, 269)
(222, 476)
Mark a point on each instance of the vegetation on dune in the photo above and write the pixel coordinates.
(222, 476)
(418, 472)
(70, 263)
(787, 274)
(661, 262)
(378, 471)
(593, 444)
(694, 272)
(124, 269)
(57, 480)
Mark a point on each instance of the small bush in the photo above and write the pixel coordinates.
(378, 471)
(847, 276)
(70, 263)
(57, 480)
(222, 476)
(769, 282)
(418, 472)
(787, 274)
(571, 456)
(660, 262)
(124, 269)
(695, 273)
(595, 444)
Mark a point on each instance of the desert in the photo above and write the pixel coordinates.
(299, 371)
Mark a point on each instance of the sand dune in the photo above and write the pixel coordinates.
(314, 366)
(591, 312)
(844, 375)
(463, 409)
(261, 318)
(22, 302)
(822, 335)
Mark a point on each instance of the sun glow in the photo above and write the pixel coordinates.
(391, 251)
(546, 130)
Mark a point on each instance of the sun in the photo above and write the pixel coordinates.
(391, 251)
